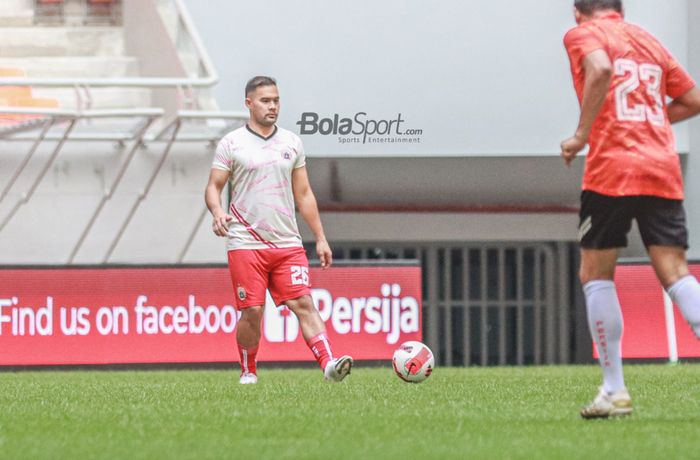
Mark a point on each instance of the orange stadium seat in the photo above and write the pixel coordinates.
(48, 10)
(20, 96)
(13, 119)
(37, 102)
(12, 93)
(50, 3)
(11, 72)
(110, 9)
(15, 94)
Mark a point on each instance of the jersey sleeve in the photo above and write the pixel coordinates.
(301, 156)
(223, 158)
(678, 80)
(579, 43)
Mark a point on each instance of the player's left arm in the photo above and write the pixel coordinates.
(598, 75)
(685, 106)
(308, 208)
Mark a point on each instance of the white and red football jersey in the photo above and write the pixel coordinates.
(262, 201)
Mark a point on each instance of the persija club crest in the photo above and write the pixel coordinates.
(241, 293)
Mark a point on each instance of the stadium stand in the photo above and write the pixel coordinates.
(100, 10)
(49, 10)
(20, 96)
(100, 124)
(85, 11)
(10, 94)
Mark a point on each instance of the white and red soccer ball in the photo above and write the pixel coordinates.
(413, 362)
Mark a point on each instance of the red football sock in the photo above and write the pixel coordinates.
(248, 359)
(321, 349)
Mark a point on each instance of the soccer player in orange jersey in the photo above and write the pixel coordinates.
(623, 76)
(266, 167)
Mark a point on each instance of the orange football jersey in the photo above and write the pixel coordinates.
(631, 146)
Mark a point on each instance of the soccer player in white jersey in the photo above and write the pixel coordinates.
(266, 167)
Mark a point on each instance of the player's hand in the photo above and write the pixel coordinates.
(571, 147)
(220, 224)
(323, 250)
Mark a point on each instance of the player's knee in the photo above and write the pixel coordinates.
(302, 306)
(584, 275)
(584, 278)
(670, 265)
(587, 274)
(251, 314)
(668, 279)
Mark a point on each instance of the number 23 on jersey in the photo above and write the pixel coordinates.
(650, 77)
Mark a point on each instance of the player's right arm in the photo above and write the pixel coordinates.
(598, 75)
(212, 196)
(685, 106)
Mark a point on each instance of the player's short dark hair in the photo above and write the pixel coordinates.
(256, 82)
(589, 6)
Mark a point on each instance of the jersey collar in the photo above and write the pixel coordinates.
(260, 135)
(613, 15)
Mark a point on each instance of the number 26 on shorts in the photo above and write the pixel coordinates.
(300, 275)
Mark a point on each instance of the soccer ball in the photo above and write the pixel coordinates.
(413, 362)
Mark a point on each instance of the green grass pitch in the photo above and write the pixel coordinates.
(465, 413)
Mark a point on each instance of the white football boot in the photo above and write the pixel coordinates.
(337, 369)
(608, 405)
(248, 379)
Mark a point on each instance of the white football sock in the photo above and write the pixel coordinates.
(686, 294)
(605, 324)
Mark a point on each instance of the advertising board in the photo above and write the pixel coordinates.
(57, 316)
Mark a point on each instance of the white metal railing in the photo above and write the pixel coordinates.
(25, 130)
(170, 134)
(231, 119)
(82, 86)
(49, 118)
(64, 123)
(46, 119)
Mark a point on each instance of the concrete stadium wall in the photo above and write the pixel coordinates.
(479, 78)
(48, 226)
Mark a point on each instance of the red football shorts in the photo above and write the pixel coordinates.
(284, 271)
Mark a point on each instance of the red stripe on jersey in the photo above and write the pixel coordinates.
(248, 227)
